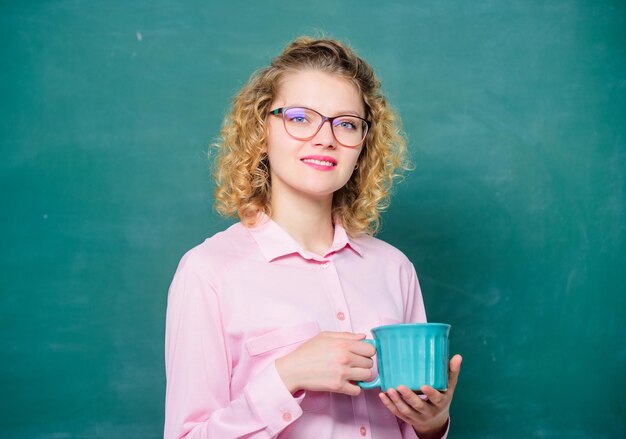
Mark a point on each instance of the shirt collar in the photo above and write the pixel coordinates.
(275, 242)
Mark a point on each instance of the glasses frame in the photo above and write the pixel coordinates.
(281, 112)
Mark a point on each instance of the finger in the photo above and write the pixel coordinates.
(434, 396)
(360, 374)
(454, 369)
(390, 406)
(406, 410)
(350, 389)
(354, 360)
(345, 335)
(362, 348)
(412, 399)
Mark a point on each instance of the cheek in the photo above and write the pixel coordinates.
(272, 149)
(272, 132)
(278, 154)
(355, 158)
(277, 139)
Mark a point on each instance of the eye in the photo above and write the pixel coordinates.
(347, 124)
(297, 116)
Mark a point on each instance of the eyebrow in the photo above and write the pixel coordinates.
(339, 113)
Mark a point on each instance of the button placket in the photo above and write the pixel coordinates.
(361, 415)
(336, 295)
(338, 301)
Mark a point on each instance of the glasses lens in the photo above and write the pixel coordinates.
(301, 123)
(349, 130)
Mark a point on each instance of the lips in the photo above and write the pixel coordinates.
(318, 160)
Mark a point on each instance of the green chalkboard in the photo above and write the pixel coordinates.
(514, 216)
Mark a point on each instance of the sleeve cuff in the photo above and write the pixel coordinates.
(272, 402)
(409, 432)
(445, 435)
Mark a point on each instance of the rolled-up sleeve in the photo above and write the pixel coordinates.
(197, 362)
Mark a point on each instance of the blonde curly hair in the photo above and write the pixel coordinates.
(242, 168)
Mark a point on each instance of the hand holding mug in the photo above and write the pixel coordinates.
(413, 359)
(415, 354)
(428, 413)
(329, 362)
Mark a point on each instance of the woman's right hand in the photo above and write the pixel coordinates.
(328, 362)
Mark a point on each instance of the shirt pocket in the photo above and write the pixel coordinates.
(280, 342)
(281, 337)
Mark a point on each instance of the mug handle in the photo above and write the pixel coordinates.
(376, 381)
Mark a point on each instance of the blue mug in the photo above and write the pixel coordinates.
(411, 354)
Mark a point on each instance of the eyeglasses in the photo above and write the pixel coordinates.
(303, 124)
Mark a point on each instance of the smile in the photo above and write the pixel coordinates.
(319, 162)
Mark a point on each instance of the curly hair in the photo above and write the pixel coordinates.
(241, 168)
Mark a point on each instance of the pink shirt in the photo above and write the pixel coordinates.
(247, 296)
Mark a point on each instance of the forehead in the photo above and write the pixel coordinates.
(325, 92)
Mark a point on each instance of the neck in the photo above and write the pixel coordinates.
(307, 219)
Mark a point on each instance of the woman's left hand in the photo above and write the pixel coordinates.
(428, 417)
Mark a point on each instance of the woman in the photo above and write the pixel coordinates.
(266, 319)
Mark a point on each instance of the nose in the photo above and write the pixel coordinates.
(325, 136)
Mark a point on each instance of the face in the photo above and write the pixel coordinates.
(320, 166)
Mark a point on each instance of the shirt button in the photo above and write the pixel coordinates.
(363, 431)
(325, 264)
(286, 416)
(341, 316)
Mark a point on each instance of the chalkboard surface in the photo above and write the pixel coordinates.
(514, 216)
